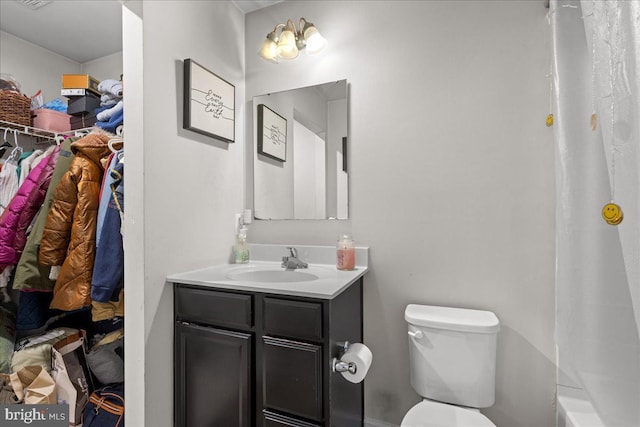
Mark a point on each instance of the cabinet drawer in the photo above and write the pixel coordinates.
(213, 307)
(292, 377)
(294, 319)
(271, 419)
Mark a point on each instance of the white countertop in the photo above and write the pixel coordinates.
(330, 281)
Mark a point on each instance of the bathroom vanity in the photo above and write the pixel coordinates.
(254, 344)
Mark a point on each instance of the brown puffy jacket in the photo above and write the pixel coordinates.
(69, 237)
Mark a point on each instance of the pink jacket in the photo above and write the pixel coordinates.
(23, 208)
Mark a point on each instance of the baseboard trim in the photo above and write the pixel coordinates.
(370, 422)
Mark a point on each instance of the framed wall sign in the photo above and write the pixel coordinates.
(272, 134)
(209, 103)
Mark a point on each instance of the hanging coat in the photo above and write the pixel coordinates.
(23, 208)
(108, 271)
(29, 274)
(69, 235)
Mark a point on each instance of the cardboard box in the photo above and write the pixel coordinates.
(51, 120)
(82, 104)
(82, 121)
(80, 81)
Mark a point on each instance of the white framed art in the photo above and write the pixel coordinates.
(272, 134)
(209, 103)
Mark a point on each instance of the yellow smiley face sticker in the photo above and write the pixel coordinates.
(549, 121)
(612, 214)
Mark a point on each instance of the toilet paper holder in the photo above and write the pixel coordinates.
(338, 365)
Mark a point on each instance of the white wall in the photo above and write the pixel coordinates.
(309, 191)
(36, 68)
(107, 67)
(451, 181)
(191, 185)
(337, 180)
(133, 239)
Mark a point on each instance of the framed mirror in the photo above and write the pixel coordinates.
(300, 153)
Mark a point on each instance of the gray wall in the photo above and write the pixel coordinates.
(451, 177)
(34, 67)
(183, 188)
(37, 68)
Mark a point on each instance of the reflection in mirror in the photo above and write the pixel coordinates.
(300, 159)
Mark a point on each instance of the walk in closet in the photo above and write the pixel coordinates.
(61, 216)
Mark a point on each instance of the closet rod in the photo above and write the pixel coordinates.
(40, 133)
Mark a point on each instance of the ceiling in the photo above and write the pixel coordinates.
(81, 30)
(250, 5)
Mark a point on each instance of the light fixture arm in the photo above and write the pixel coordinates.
(273, 35)
(302, 26)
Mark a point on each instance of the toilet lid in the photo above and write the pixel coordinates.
(436, 414)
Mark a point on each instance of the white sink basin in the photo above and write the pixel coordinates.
(274, 274)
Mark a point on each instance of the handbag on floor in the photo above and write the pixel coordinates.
(34, 386)
(106, 358)
(105, 408)
(36, 350)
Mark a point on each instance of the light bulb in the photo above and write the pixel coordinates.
(287, 45)
(315, 42)
(268, 51)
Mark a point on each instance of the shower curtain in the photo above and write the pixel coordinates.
(596, 70)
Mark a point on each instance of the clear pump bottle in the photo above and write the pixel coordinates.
(346, 253)
(241, 248)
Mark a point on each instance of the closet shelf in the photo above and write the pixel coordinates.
(41, 133)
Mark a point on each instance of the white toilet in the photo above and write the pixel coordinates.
(452, 357)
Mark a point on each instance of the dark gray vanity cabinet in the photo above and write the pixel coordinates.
(264, 360)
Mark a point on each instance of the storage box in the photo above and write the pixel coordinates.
(80, 81)
(82, 104)
(51, 120)
(81, 121)
(75, 92)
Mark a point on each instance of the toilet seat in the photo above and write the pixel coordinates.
(436, 414)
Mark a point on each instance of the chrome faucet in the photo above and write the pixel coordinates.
(292, 262)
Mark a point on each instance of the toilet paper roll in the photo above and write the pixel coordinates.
(361, 356)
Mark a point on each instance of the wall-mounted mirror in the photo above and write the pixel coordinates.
(300, 153)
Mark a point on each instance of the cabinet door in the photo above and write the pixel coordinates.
(212, 377)
(292, 377)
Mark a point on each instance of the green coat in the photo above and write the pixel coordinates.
(30, 274)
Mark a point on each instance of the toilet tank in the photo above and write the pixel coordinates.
(452, 354)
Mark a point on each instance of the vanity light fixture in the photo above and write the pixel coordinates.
(290, 41)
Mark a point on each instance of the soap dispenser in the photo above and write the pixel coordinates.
(346, 253)
(241, 248)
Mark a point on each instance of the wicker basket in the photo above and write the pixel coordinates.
(15, 108)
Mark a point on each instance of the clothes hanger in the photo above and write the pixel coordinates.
(114, 141)
(6, 144)
(58, 139)
(17, 150)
